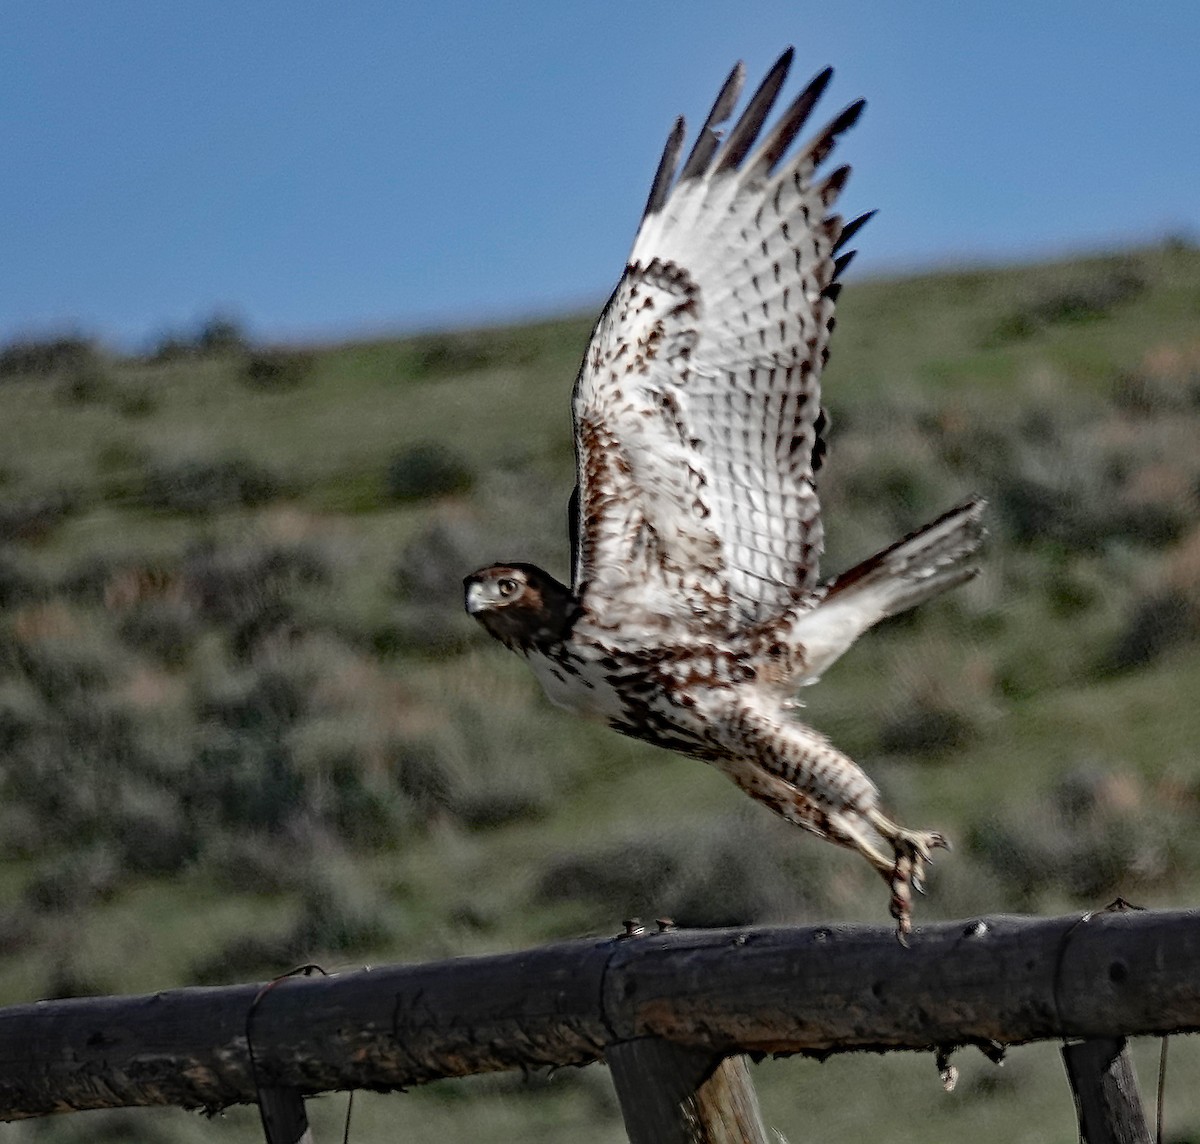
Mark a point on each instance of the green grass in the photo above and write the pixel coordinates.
(420, 789)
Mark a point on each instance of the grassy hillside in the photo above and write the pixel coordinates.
(244, 723)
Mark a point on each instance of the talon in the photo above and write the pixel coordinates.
(901, 905)
(912, 852)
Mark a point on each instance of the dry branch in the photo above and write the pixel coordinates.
(1000, 980)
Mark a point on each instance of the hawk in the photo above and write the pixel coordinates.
(696, 608)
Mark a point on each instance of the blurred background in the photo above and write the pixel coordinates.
(290, 308)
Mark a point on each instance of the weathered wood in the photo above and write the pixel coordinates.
(1106, 1092)
(673, 1094)
(819, 990)
(283, 1117)
(378, 1029)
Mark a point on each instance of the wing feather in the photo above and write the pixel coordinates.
(707, 141)
(697, 407)
(661, 186)
(746, 130)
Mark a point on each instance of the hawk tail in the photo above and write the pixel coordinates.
(928, 562)
(922, 565)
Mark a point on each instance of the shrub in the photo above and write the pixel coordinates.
(151, 831)
(85, 381)
(67, 979)
(207, 486)
(452, 354)
(18, 931)
(45, 356)
(487, 809)
(1086, 297)
(233, 584)
(427, 578)
(1157, 624)
(245, 959)
(737, 872)
(35, 518)
(266, 705)
(240, 780)
(22, 719)
(74, 880)
(359, 809)
(622, 879)
(338, 912)
(117, 582)
(80, 770)
(19, 583)
(925, 727)
(427, 470)
(62, 673)
(163, 629)
(171, 347)
(1089, 838)
(250, 862)
(221, 334)
(217, 335)
(1147, 394)
(420, 775)
(274, 619)
(277, 370)
(136, 401)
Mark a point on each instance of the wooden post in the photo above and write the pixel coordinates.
(1106, 1092)
(672, 1094)
(283, 1118)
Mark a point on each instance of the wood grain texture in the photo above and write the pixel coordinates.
(673, 1094)
(284, 1119)
(760, 990)
(1106, 1092)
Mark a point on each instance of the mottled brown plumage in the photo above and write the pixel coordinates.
(696, 607)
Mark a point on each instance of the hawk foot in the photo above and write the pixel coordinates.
(913, 850)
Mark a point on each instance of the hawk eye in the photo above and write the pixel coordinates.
(507, 587)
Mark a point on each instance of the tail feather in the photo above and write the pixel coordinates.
(922, 565)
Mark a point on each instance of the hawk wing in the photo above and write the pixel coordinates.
(697, 406)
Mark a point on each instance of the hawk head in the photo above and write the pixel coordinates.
(522, 606)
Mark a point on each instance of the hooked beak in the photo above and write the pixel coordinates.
(475, 598)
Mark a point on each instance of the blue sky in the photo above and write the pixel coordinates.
(323, 170)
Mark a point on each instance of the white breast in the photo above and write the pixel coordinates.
(588, 694)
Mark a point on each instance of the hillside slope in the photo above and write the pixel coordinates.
(244, 723)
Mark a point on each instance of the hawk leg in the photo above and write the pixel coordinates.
(797, 773)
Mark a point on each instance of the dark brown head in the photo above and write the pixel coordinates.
(522, 606)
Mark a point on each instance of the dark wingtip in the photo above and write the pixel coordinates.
(852, 228)
(842, 261)
(789, 125)
(660, 188)
(746, 130)
(848, 118)
(707, 141)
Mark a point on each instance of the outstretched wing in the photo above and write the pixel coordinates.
(697, 407)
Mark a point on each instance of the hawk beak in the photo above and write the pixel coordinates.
(476, 601)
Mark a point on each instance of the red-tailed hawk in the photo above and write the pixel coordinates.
(696, 608)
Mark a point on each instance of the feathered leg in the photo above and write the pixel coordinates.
(801, 776)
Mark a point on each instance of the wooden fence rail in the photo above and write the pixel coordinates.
(713, 994)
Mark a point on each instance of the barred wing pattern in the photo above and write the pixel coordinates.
(697, 407)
